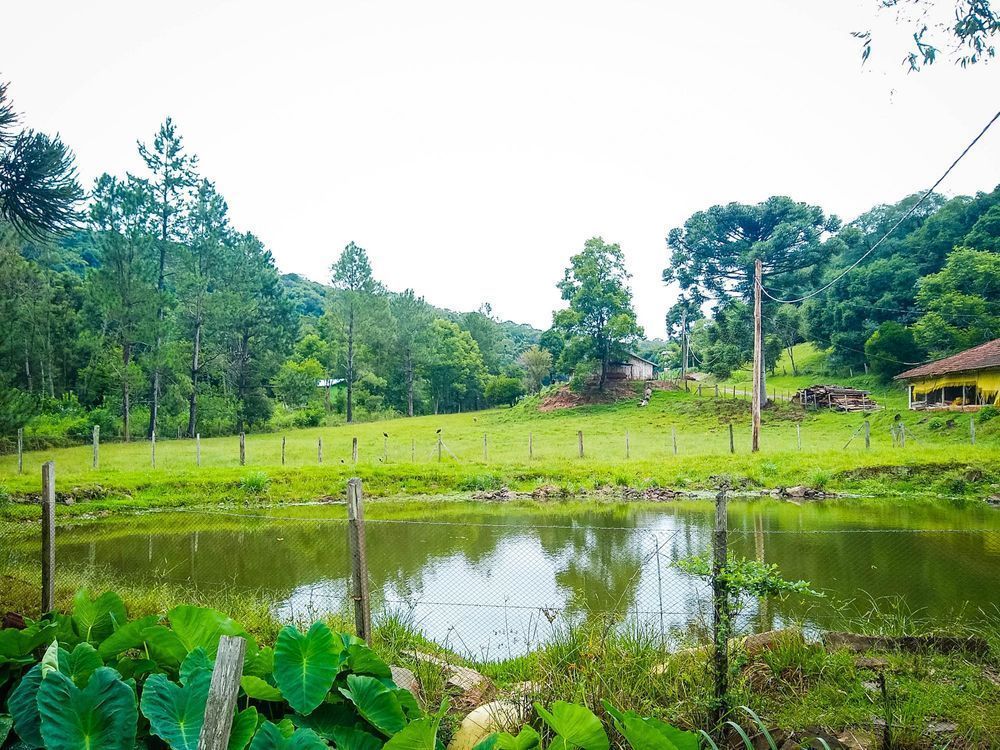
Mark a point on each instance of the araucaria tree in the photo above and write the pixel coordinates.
(599, 323)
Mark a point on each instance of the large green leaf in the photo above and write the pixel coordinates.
(6, 722)
(260, 690)
(80, 663)
(349, 738)
(305, 665)
(244, 725)
(102, 716)
(526, 739)
(196, 661)
(96, 619)
(125, 637)
(328, 718)
(23, 707)
(270, 737)
(651, 733)
(165, 646)
(576, 724)
(201, 626)
(420, 734)
(176, 712)
(362, 660)
(259, 664)
(16, 646)
(377, 703)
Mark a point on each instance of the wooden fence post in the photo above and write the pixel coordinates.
(579, 438)
(359, 559)
(282, 450)
(439, 447)
(385, 447)
(48, 536)
(868, 435)
(319, 449)
(699, 390)
(486, 449)
(673, 437)
(222, 693)
(197, 449)
(721, 619)
(972, 430)
(798, 435)
(627, 447)
(20, 450)
(732, 442)
(96, 459)
(243, 449)
(716, 390)
(354, 450)
(152, 448)
(902, 435)
(413, 450)
(531, 446)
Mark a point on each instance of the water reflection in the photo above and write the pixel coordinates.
(494, 580)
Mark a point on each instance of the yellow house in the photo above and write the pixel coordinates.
(967, 380)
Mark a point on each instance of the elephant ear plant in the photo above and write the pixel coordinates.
(96, 679)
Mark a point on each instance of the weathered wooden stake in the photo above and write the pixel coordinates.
(627, 450)
(716, 390)
(486, 449)
(868, 435)
(732, 441)
(197, 449)
(354, 450)
(673, 437)
(152, 449)
(222, 693)
(385, 447)
(439, 447)
(579, 438)
(20, 450)
(721, 619)
(359, 559)
(243, 449)
(972, 430)
(282, 450)
(48, 536)
(798, 435)
(319, 449)
(96, 458)
(531, 446)
(699, 390)
(413, 450)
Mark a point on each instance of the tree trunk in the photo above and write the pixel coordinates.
(241, 381)
(126, 395)
(195, 369)
(409, 384)
(154, 405)
(791, 358)
(350, 367)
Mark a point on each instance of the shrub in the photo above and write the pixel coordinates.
(255, 483)
(987, 413)
(310, 417)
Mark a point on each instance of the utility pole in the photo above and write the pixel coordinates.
(758, 357)
(684, 348)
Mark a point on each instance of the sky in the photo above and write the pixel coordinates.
(473, 147)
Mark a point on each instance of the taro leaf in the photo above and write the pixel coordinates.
(362, 660)
(410, 706)
(527, 739)
(165, 646)
(80, 663)
(328, 718)
(260, 690)
(96, 619)
(195, 661)
(305, 665)
(244, 725)
(577, 725)
(102, 716)
(201, 626)
(127, 636)
(420, 734)
(176, 712)
(349, 738)
(6, 722)
(24, 708)
(16, 646)
(286, 727)
(651, 733)
(378, 704)
(270, 737)
(133, 668)
(260, 664)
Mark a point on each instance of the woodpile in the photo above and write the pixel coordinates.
(836, 397)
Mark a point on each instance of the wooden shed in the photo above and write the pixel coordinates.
(633, 367)
(967, 380)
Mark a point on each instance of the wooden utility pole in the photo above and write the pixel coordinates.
(758, 358)
(359, 559)
(96, 459)
(48, 536)
(223, 690)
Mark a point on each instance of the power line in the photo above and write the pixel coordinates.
(894, 227)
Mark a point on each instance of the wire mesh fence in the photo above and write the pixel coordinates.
(494, 585)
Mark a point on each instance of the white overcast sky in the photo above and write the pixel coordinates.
(473, 147)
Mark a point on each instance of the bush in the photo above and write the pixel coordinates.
(255, 483)
(311, 417)
(502, 389)
(987, 413)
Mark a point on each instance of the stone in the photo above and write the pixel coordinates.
(495, 716)
(871, 662)
(405, 679)
(752, 645)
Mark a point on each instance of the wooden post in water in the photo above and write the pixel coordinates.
(972, 430)
(354, 450)
(282, 450)
(197, 449)
(732, 442)
(868, 435)
(673, 437)
(243, 449)
(359, 559)
(152, 448)
(222, 693)
(20, 450)
(579, 438)
(96, 458)
(48, 536)
(721, 616)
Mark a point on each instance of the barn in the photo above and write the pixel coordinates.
(965, 381)
(633, 367)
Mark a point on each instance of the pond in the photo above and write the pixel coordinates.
(493, 580)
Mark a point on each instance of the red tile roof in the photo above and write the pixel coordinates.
(977, 358)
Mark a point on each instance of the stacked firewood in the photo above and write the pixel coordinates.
(838, 397)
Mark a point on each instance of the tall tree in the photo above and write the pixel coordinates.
(200, 266)
(352, 305)
(537, 365)
(172, 174)
(599, 323)
(411, 322)
(455, 366)
(125, 281)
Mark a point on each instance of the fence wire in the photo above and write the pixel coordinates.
(492, 590)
